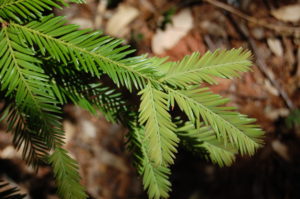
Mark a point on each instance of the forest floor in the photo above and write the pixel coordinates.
(270, 93)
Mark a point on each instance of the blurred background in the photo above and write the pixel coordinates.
(270, 93)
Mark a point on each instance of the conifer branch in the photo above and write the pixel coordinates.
(34, 146)
(24, 80)
(45, 64)
(232, 127)
(203, 137)
(159, 129)
(155, 177)
(88, 50)
(66, 174)
(195, 69)
(19, 10)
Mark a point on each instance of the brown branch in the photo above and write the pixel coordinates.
(278, 28)
(261, 64)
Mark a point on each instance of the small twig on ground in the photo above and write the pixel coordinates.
(278, 28)
(298, 60)
(243, 30)
(210, 43)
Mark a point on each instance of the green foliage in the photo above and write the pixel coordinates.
(230, 126)
(203, 138)
(45, 64)
(159, 128)
(293, 120)
(194, 68)
(167, 18)
(155, 177)
(68, 177)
